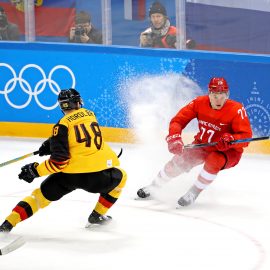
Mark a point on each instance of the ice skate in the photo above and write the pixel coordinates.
(158, 182)
(189, 198)
(144, 192)
(6, 227)
(97, 219)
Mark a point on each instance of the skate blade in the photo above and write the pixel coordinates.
(89, 225)
(149, 198)
(142, 199)
(95, 225)
(178, 206)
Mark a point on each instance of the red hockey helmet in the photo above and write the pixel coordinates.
(218, 85)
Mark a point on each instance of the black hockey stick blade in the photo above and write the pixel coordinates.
(232, 142)
(11, 245)
(18, 159)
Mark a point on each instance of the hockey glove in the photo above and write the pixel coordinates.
(175, 144)
(29, 172)
(224, 142)
(44, 149)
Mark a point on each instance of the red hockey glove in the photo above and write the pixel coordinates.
(175, 144)
(224, 142)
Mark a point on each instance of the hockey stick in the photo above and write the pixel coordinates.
(232, 142)
(18, 158)
(11, 245)
(32, 154)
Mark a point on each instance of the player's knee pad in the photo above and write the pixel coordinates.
(123, 180)
(117, 190)
(215, 162)
(176, 166)
(40, 199)
(172, 168)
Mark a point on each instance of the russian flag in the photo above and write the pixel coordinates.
(52, 18)
(229, 25)
(134, 9)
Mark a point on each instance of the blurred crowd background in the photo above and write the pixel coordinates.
(220, 25)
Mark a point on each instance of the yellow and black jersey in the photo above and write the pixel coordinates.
(77, 146)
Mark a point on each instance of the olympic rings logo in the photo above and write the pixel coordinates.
(33, 89)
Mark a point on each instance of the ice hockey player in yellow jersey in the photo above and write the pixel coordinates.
(79, 159)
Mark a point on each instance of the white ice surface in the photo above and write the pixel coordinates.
(227, 228)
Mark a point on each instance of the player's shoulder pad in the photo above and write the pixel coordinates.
(63, 121)
(58, 128)
(89, 112)
(59, 124)
(235, 104)
(200, 99)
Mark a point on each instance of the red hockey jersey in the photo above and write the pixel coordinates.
(231, 118)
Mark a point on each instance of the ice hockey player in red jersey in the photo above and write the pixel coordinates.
(220, 120)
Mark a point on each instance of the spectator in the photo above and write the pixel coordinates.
(161, 34)
(8, 31)
(84, 31)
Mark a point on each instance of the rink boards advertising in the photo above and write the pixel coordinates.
(32, 74)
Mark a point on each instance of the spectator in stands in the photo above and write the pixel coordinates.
(161, 34)
(84, 31)
(8, 31)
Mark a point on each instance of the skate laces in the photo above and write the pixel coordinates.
(190, 196)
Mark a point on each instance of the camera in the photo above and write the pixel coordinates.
(149, 40)
(190, 43)
(79, 31)
(170, 39)
(153, 40)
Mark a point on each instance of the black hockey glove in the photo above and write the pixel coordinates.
(44, 149)
(29, 172)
